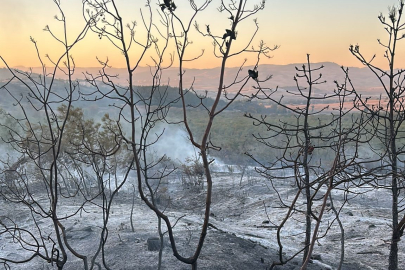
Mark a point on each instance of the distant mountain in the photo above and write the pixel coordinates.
(201, 80)
(83, 95)
(208, 79)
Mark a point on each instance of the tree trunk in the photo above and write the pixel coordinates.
(393, 257)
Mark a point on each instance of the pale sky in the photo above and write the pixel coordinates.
(322, 28)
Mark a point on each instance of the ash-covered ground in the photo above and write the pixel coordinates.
(242, 233)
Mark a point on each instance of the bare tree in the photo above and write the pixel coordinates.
(388, 118)
(42, 146)
(63, 157)
(313, 146)
(138, 110)
(143, 120)
(237, 12)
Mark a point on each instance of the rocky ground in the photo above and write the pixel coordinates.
(241, 236)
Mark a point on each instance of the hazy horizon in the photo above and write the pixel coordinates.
(267, 64)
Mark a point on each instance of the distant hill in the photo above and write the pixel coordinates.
(207, 79)
(84, 94)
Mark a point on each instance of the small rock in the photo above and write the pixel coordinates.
(81, 233)
(316, 257)
(371, 226)
(349, 213)
(153, 243)
(266, 222)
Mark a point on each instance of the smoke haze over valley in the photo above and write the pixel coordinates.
(207, 79)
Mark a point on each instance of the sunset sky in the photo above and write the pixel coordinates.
(322, 28)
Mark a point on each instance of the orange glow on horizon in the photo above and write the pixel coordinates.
(299, 28)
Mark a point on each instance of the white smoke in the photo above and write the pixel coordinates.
(175, 144)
